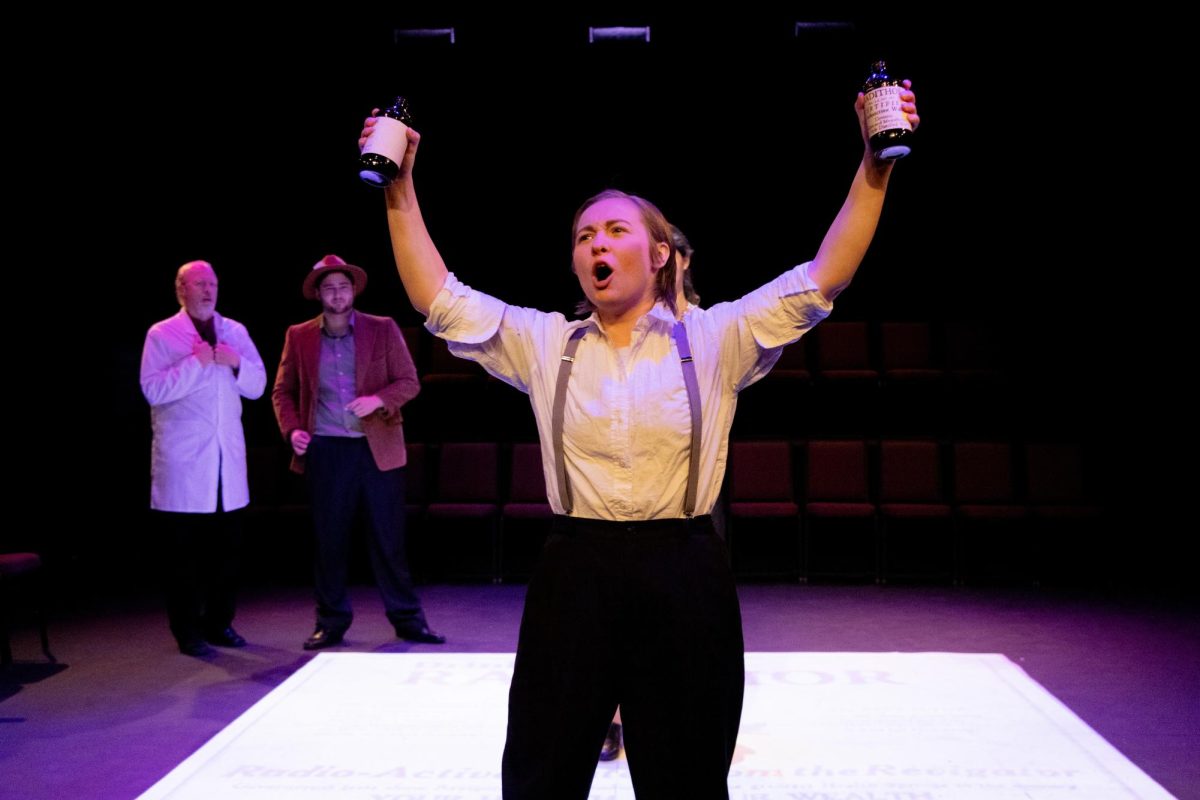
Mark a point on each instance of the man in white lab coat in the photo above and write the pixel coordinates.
(196, 368)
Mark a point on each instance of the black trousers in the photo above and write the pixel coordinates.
(203, 554)
(341, 474)
(644, 615)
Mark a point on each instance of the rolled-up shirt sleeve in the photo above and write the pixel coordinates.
(783, 310)
(459, 313)
(501, 338)
(752, 330)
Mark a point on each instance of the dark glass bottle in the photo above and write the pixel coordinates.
(889, 131)
(380, 159)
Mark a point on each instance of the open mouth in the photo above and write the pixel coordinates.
(601, 273)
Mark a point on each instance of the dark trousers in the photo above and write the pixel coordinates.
(202, 558)
(644, 615)
(341, 474)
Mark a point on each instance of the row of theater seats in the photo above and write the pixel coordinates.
(871, 351)
(793, 510)
(845, 378)
(914, 509)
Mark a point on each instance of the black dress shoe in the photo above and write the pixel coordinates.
(322, 638)
(195, 647)
(419, 632)
(226, 638)
(612, 743)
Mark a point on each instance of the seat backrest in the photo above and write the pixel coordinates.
(793, 357)
(415, 482)
(528, 481)
(910, 472)
(1054, 474)
(837, 471)
(843, 345)
(983, 472)
(467, 473)
(14, 564)
(760, 471)
(906, 345)
(971, 346)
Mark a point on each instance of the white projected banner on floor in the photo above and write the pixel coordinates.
(816, 726)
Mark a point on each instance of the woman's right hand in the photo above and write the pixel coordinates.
(410, 152)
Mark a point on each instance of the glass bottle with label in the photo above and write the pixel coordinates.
(888, 128)
(380, 160)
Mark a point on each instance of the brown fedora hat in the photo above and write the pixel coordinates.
(332, 263)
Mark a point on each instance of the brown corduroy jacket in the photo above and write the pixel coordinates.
(382, 366)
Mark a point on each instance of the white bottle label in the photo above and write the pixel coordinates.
(389, 138)
(883, 112)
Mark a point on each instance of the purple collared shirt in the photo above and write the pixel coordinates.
(337, 386)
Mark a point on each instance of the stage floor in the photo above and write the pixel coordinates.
(123, 708)
(816, 726)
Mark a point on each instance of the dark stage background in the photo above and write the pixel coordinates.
(233, 140)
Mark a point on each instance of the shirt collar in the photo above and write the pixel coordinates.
(347, 333)
(657, 313)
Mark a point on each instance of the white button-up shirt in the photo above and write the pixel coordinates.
(196, 415)
(627, 425)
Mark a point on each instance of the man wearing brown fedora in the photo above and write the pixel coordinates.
(341, 382)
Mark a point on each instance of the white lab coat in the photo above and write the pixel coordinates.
(196, 416)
